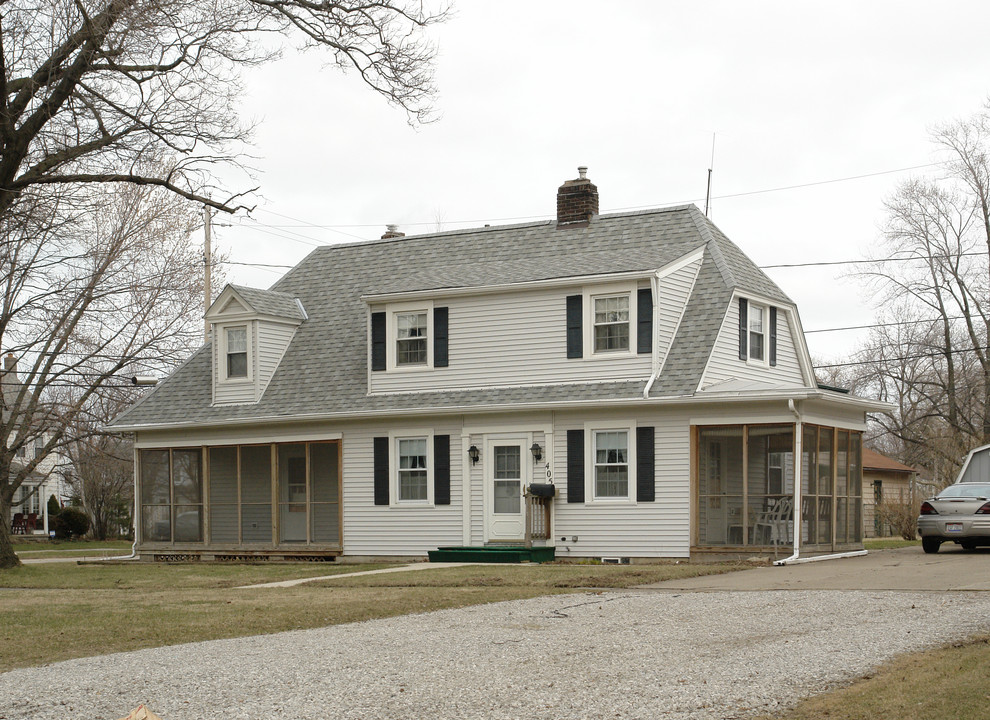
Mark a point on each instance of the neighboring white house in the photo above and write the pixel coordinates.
(29, 509)
(390, 397)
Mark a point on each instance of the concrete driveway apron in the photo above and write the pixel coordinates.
(908, 569)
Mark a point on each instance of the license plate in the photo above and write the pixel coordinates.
(953, 527)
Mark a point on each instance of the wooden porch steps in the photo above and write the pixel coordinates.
(493, 554)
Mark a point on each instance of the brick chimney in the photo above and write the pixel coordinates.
(10, 363)
(577, 201)
(392, 231)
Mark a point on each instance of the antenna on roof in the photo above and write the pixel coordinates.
(708, 192)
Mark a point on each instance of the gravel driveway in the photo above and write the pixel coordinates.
(636, 654)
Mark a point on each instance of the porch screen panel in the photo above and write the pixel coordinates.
(323, 493)
(292, 492)
(770, 484)
(256, 494)
(809, 484)
(855, 487)
(720, 486)
(825, 486)
(187, 489)
(223, 495)
(156, 509)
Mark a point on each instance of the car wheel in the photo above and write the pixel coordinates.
(930, 544)
(968, 544)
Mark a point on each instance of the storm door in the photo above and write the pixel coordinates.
(506, 465)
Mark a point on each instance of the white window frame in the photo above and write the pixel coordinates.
(393, 464)
(607, 291)
(590, 486)
(765, 310)
(392, 333)
(221, 331)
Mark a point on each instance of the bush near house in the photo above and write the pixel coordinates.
(54, 508)
(902, 517)
(70, 523)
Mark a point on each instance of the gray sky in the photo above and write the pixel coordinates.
(795, 93)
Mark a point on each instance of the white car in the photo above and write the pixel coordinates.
(959, 514)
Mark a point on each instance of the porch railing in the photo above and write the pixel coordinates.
(537, 518)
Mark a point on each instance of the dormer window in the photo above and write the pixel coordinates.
(611, 323)
(411, 338)
(756, 333)
(237, 365)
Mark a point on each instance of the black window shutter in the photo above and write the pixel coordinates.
(575, 466)
(743, 320)
(773, 336)
(381, 471)
(575, 333)
(440, 337)
(646, 489)
(441, 469)
(378, 341)
(644, 321)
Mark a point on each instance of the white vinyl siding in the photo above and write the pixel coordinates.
(675, 289)
(267, 342)
(626, 529)
(724, 363)
(517, 338)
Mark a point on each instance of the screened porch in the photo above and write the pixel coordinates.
(745, 486)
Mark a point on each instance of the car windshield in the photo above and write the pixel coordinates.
(964, 490)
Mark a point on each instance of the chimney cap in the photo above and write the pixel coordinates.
(583, 172)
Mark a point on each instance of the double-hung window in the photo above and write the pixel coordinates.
(611, 463)
(236, 350)
(412, 482)
(756, 334)
(611, 323)
(411, 330)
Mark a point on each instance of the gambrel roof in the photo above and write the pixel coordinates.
(324, 371)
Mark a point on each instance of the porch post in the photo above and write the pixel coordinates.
(798, 442)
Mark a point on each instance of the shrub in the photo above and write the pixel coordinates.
(70, 523)
(902, 517)
(53, 507)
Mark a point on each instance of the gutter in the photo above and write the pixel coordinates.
(796, 558)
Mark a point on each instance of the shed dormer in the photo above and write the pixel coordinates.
(251, 330)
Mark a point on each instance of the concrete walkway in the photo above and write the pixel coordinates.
(904, 569)
(403, 568)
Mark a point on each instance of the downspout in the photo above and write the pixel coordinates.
(655, 368)
(133, 544)
(796, 557)
(798, 438)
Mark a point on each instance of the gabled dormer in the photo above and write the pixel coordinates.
(251, 330)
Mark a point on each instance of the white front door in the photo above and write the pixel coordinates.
(506, 467)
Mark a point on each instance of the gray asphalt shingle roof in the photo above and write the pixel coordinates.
(324, 370)
(270, 302)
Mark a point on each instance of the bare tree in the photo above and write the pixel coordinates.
(94, 286)
(90, 88)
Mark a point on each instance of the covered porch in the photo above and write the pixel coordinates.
(747, 486)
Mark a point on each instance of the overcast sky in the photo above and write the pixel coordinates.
(795, 93)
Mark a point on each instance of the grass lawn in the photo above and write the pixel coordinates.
(943, 684)
(61, 611)
(71, 548)
(888, 543)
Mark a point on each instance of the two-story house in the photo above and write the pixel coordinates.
(29, 506)
(386, 398)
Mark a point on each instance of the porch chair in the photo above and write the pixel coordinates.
(772, 523)
(32, 522)
(19, 525)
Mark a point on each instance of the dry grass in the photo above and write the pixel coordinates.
(945, 684)
(62, 611)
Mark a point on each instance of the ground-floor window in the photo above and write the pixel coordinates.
(249, 494)
(745, 485)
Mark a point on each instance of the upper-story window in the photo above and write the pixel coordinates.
(756, 344)
(411, 337)
(757, 332)
(237, 364)
(611, 323)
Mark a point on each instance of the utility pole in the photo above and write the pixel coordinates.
(207, 268)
